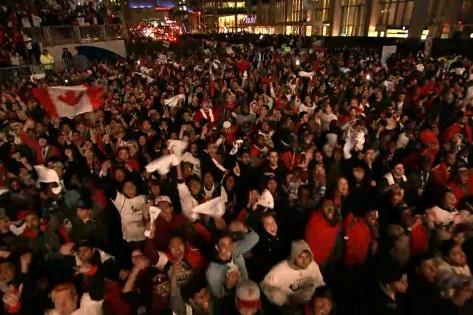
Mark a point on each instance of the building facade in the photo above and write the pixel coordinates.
(376, 18)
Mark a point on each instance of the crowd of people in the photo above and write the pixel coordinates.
(242, 180)
(18, 48)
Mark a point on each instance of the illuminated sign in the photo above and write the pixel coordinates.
(162, 8)
(250, 19)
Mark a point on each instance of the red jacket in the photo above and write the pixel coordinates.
(441, 174)
(321, 237)
(34, 145)
(163, 232)
(291, 159)
(461, 192)
(199, 116)
(243, 65)
(432, 142)
(456, 129)
(358, 240)
(419, 239)
(165, 229)
(192, 256)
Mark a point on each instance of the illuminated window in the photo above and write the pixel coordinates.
(395, 13)
(321, 10)
(280, 12)
(321, 16)
(231, 4)
(353, 17)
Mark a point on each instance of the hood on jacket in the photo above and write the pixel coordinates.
(296, 248)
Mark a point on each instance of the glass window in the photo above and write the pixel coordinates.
(296, 11)
(280, 12)
(353, 17)
(321, 10)
(395, 13)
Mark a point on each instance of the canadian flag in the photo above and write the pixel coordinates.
(69, 101)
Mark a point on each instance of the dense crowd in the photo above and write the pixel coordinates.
(242, 180)
(16, 45)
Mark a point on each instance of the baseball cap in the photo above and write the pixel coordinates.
(162, 199)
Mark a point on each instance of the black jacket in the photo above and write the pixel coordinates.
(269, 251)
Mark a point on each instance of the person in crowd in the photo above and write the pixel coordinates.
(322, 302)
(323, 233)
(389, 288)
(47, 61)
(271, 248)
(65, 298)
(248, 301)
(423, 293)
(195, 169)
(228, 267)
(294, 280)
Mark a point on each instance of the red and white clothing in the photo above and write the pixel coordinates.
(211, 115)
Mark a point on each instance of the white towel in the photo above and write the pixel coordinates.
(266, 199)
(306, 74)
(214, 208)
(163, 164)
(178, 147)
(47, 175)
(174, 101)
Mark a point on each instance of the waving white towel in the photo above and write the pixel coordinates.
(177, 147)
(48, 175)
(306, 74)
(214, 208)
(266, 199)
(174, 101)
(163, 164)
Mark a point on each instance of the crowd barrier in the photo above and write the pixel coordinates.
(60, 35)
(18, 73)
(188, 43)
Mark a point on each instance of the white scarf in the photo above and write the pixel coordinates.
(211, 114)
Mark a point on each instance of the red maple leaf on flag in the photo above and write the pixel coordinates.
(71, 98)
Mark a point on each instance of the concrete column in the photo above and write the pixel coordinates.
(336, 16)
(419, 19)
(452, 15)
(368, 15)
(373, 16)
(272, 12)
(468, 21)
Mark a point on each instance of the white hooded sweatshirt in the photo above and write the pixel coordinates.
(287, 283)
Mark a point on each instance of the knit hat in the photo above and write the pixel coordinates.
(248, 295)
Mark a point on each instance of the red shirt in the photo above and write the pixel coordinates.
(321, 237)
(358, 240)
